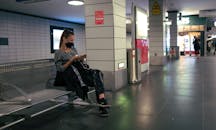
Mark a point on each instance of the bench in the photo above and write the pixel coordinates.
(90, 95)
(24, 93)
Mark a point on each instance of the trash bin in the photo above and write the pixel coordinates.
(134, 66)
(182, 53)
(174, 52)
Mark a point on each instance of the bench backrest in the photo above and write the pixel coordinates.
(29, 76)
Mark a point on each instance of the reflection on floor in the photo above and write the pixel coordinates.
(178, 96)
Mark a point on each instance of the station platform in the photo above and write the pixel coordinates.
(178, 96)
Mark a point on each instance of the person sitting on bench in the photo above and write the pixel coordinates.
(77, 75)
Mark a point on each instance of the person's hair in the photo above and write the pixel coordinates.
(66, 33)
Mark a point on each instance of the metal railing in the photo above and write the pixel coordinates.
(16, 66)
(23, 65)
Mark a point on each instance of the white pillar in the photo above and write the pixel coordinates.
(106, 40)
(156, 32)
(172, 15)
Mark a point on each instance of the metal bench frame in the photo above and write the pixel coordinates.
(27, 100)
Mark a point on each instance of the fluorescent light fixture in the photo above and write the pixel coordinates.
(76, 2)
(168, 22)
(121, 65)
(128, 21)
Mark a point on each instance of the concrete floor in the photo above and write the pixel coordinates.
(178, 96)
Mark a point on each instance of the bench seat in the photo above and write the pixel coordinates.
(23, 92)
(38, 98)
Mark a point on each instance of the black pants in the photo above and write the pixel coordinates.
(94, 78)
(71, 82)
(90, 77)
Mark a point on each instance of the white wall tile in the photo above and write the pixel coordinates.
(100, 55)
(97, 1)
(96, 32)
(120, 2)
(119, 21)
(29, 37)
(120, 32)
(90, 9)
(102, 65)
(119, 10)
(158, 39)
(120, 54)
(156, 51)
(106, 44)
(120, 43)
(97, 43)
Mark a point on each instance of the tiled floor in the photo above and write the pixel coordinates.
(178, 96)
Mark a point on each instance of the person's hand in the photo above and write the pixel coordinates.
(74, 58)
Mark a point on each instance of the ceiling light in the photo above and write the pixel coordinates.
(76, 2)
(168, 22)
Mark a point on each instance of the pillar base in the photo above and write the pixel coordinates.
(158, 60)
(115, 80)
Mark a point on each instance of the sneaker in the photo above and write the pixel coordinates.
(103, 110)
(79, 101)
(102, 101)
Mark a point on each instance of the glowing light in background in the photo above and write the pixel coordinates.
(76, 2)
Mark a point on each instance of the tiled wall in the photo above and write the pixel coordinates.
(106, 43)
(173, 28)
(29, 37)
(156, 34)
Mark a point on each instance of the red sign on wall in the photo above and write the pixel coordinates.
(142, 44)
(99, 17)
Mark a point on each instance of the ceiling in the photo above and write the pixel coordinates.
(59, 9)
